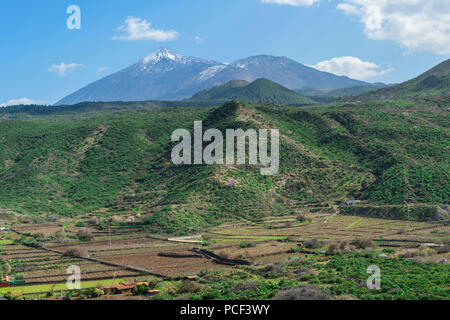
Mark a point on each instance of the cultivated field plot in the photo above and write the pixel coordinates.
(39, 266)
(40, 260)
(47, 229)
(278, 238)
(332, 227)
(145, 253)
(167, 266)
(113, 244)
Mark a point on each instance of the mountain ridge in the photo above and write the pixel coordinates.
(166, 75)
(432, 83)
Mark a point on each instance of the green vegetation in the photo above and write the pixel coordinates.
(260, 90)
(382, 152)
(400, 278)
(395, 212)
(58, 287)
(326, 94)
(339, 276)
(219, 92)
(432, 86)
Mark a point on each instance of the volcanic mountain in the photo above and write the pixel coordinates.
(166, 75)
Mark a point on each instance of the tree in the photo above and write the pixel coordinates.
(85, 235)
(60, 235)
(6, 268)
(94, 221)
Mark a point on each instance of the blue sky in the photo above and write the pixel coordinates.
(389, 41)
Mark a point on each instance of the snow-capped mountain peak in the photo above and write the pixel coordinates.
(211, 71)
(162, 54)
(166, 75)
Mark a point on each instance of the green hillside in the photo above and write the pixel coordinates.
(433, 84)
(353, 91)
(91, 108)
(219, 92)
(326, 94)
(260, 90)
(382, 152)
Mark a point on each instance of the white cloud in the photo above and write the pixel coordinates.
(101, 70)
(140, 29)
(63, 69)
(351, 67)
(24, 101)
(296, 3)
(198, 39)
(418, 25)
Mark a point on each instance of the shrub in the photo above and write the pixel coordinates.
(271, 270)
(39, 235)
(29, 242)
(152, 284)
(6, 268)
(408, 254)
(187, 286)
(94, 221)
(313, 244)
(302, 218)
(333, 248)
(76, 252)
(85, 235)
(98, 292)
(344, 245)
(309, 292)
(421, 252)
(59, 236)
(246, 244)
(223, 256)
(141, 290)
(114, 220)
(182, 298)
(303, 271)
(249, 285)
(363, 243)
(426, 251)
(129, 220)
(92, 292)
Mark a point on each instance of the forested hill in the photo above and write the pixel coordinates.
(382, 152)
(261, 90)
(435, 83)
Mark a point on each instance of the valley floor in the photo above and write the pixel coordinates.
(326, 253)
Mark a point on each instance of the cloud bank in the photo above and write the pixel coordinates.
(63, 69)
(351, 67)
(418, 25)
(140, 29)
(24, 101)
(296, 3)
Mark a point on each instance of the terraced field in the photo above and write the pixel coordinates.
(41, 259)
(279, 238)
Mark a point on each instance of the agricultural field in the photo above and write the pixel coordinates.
(327, 253)
(108, 200)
